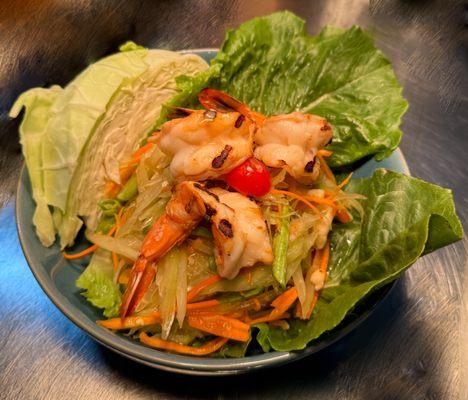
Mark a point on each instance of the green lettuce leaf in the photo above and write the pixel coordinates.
(404, 219)
(37, 104)
(271, 64)
(100, 289)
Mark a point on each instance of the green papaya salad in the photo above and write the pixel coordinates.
(219, 200)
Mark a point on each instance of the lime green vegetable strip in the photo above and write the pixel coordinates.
(106, 223)
(280, 247)
(110, 207)
(129, 190)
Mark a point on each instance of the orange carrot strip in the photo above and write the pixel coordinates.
(111, 189)
(140, 152)
(324, 153)
(320, 200)
(284, 301)
(326, 169)
(119, 220)
(345, 181)
(324, 257)
(267, 318)
(201, 305)
(124, 276)
(207, 348)
(131, 322)
(81, 254)
(298, 310)
(343, 216)
(202, 285)
(312, 306)
(126, 172)
(220, 325)
(115, 261)
(86, 251)
(297, 197)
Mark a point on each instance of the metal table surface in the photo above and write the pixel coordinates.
(415, 346)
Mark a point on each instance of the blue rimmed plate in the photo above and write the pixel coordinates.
(57, 278)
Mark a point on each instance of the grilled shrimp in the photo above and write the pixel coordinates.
(249, 243)
(206, 144)
(240, 234)
(291, 141)
(288, 141)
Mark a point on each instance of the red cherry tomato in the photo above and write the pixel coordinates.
(250, 178)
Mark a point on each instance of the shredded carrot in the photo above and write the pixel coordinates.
(326, 169)
(323, 255)
(126, 172)
(220, 325)
(131, 322)
(284, 301)
(207, 348)
(201, 305)
(119, 220)
(150, 319)
(140, 152)
(81, 254)
(324, 153)
(202, 285)
(115, 261)
(249, 278)
(345, 181)
(86, 251)
(343, 216)
(312, 306)
(124, 276)
(320, 200)
(267, 318)
(297, 197)
(111, 190)
(298, 310)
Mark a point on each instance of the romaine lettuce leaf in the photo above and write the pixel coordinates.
(271, 64)
(96, 280)
(37, 104)
(404, 218)
(128, 119)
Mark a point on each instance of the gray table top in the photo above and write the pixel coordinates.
(415, 346)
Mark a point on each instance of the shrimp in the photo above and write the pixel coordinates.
(206, 144)
(183, 212)
(288, 141)
(291, 141)
(240, 233)
(249, 242)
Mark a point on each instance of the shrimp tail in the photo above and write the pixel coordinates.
(135, 287)
(217, 100)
